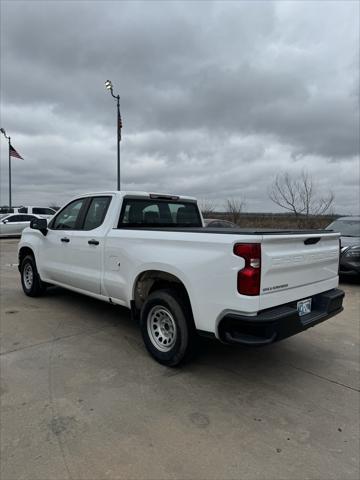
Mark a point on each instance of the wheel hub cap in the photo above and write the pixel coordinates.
(28, 276)
(161, 328)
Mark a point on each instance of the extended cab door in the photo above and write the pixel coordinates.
(72, 253)
(87, 245)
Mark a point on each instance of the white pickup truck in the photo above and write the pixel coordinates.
(152, 254)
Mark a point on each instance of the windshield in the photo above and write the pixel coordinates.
(347, 228)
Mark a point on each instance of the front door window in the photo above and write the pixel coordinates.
(69, 217)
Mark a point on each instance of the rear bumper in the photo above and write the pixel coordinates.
(277, 323)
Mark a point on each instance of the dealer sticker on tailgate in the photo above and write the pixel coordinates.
(304, 307)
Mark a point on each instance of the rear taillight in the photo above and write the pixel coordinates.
(248, 280)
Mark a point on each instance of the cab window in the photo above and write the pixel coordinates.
(69, 217)
(96, 212)
(158, 213)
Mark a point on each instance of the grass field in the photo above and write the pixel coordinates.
(273, 220)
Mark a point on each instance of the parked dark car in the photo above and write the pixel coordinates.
(218, 223)
(349, 227)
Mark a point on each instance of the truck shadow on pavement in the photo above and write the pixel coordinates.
(305, 352)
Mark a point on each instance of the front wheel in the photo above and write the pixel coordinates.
(31, 282)
(167, 327)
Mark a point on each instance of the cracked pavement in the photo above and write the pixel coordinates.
(81, 398)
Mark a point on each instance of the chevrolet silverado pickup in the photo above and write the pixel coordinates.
(151, 254)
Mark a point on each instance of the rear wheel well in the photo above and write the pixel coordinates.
(152, 280)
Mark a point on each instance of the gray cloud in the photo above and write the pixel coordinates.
(217, 97)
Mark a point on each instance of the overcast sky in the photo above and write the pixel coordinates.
(216, 97)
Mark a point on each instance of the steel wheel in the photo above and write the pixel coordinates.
(28, 276)
(31, 282)
(161, 328)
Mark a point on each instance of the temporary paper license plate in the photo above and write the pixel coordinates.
(304, 307)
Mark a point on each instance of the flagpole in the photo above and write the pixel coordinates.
(118, 141)
(109, 87)
(9, 140)
(9, 174)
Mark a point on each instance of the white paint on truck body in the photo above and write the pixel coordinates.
(203, 261)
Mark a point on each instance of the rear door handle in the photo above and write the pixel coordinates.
(65, 239)
(93, 242)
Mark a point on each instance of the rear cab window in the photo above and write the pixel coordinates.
(157, 213)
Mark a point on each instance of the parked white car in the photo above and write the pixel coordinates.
(12, 225)
(151, 254)
(44, 212)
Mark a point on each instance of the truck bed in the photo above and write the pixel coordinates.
(231, 231)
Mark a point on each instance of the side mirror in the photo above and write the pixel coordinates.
(39, 224)
(5, 221)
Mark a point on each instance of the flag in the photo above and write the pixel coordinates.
(119, 125)
(14, 153)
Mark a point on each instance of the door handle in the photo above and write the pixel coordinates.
(65, 239)
(93, 242)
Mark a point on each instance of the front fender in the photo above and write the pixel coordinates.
(29, 239)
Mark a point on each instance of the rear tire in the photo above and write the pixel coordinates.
(167, 327)
(31, 282)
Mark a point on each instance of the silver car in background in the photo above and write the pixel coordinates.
(44, 212)
(12, 225)
(349, 228)
(218, 223)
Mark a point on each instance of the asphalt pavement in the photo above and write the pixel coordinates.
(82, 399)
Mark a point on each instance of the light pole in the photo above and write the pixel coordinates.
(109, 86)
(8, 138)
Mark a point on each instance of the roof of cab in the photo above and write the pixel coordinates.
(123, 193)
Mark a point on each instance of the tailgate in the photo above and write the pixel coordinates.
(297, 265)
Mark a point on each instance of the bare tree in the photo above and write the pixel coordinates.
(207, 207)
(299, 195)
(233, 208)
